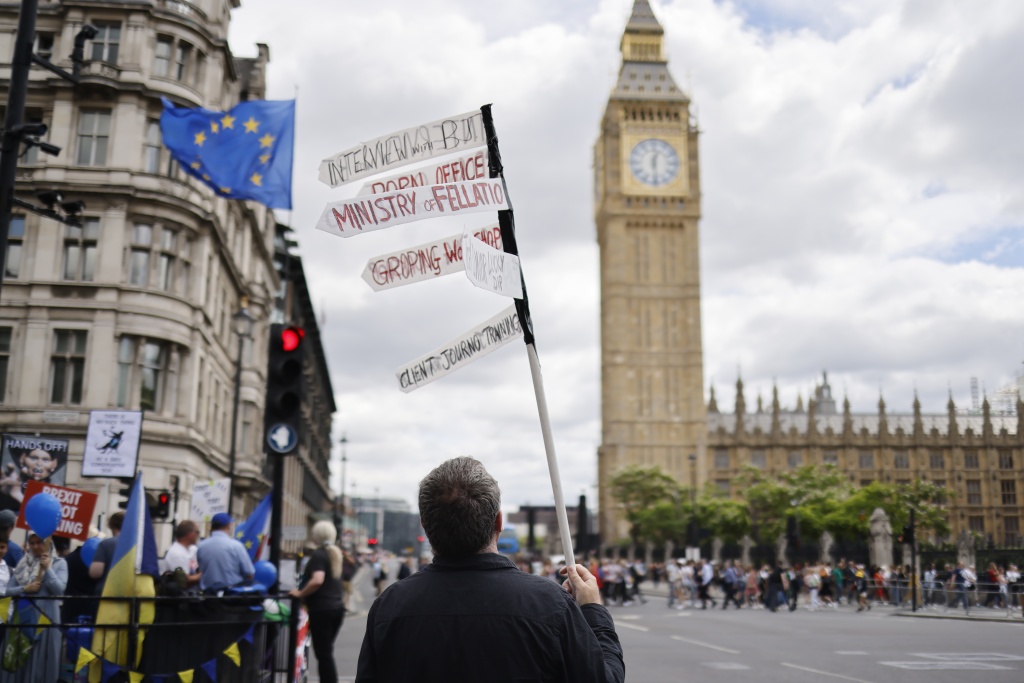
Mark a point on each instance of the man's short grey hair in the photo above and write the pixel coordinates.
(459, 502)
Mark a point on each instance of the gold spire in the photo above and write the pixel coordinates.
(641, 41)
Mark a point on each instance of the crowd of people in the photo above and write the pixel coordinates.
(71, 587)
(702, 583)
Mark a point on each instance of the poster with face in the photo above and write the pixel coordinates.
(26, 458)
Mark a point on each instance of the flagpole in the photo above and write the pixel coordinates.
(506, 222)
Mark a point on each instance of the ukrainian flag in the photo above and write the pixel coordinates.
(131, 575)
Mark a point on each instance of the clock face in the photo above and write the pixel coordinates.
(654, 162)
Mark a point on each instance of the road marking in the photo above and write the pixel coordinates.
(634, 627)
(633, 617)
(970, 656)
(825, 673)
(948, 666)
(703, 644)
(851, 652)
(726, 666)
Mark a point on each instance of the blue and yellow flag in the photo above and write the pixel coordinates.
(245, 153)
(131, 574)
(254, 532)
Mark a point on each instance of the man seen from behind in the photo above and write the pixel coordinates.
(471, 615)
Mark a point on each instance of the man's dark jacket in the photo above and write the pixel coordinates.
(481, 619)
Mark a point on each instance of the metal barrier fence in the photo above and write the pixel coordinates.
(229, 639)
(981, 599)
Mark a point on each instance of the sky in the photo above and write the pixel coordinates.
(862, 209)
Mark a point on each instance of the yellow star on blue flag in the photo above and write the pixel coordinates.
(248, 161)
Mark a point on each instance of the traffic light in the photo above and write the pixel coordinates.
(908, 534)
(125, 492)
(161, 507)
(282, 418)
(371, 542)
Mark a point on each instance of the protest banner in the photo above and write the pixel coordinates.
(209, 497)
(459, 352)
(112, 443)
(423, 262)
(27, 458)
(365, 214)
(490, 269)
(444, 136)
(471, 166)
(76, 508)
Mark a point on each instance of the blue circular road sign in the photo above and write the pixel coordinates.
(282, 438)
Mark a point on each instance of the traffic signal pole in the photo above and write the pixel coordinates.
(913, 564)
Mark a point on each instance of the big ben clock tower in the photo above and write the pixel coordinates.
(647, 209)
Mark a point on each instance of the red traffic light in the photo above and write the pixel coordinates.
(419, 539)
(291, 337)
(164, 498)
(371, 541)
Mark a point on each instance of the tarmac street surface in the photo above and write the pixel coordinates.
(826, 646)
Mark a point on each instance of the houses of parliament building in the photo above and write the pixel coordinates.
(654, 413)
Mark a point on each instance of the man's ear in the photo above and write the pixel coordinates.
(499, 523)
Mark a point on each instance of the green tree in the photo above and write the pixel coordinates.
(639, 489)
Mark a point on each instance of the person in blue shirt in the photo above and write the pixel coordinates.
(14, 553)
(223, 561)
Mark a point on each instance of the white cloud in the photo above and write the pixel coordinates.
(849, 152)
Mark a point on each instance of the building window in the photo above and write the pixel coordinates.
(106, 43)
(757, 459)
(970, 460)
(1006, 460)
(142, 363)
(794, 459)
(976, 523)
(866, 482)
(830, 458)
(199, 72)
(1011, 528)
(936, 460)
(940, 483)
(152, 147)
(181, 60)
(93, 137)
(866, 460)
(67, 366)
(44, 44)
(15, 237)
(80, 250)
(167, 259)
(721, 459)
(162, 63)
(974, 492)
(723, 486)
(5, 359)
(900, 460)
(1008, 487)
(138, 263)
(186, 265)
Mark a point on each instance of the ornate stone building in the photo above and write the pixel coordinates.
(647, 211)
(135, 308)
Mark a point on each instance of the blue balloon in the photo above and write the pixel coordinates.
(266, 573)
(42, 513)
(89, 550)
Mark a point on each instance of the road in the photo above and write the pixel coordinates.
(830, 646)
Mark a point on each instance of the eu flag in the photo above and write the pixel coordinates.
(254, 532)
(245, 153)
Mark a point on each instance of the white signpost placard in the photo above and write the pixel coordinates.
(491, 269)
(444, 136)
(423, 262)
(210, 497)
(469, 166)
(375, 212)
(112, 443)
(459, 352)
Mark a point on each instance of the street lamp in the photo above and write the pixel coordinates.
(344, 460)
(242, 323)
(693, 500)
